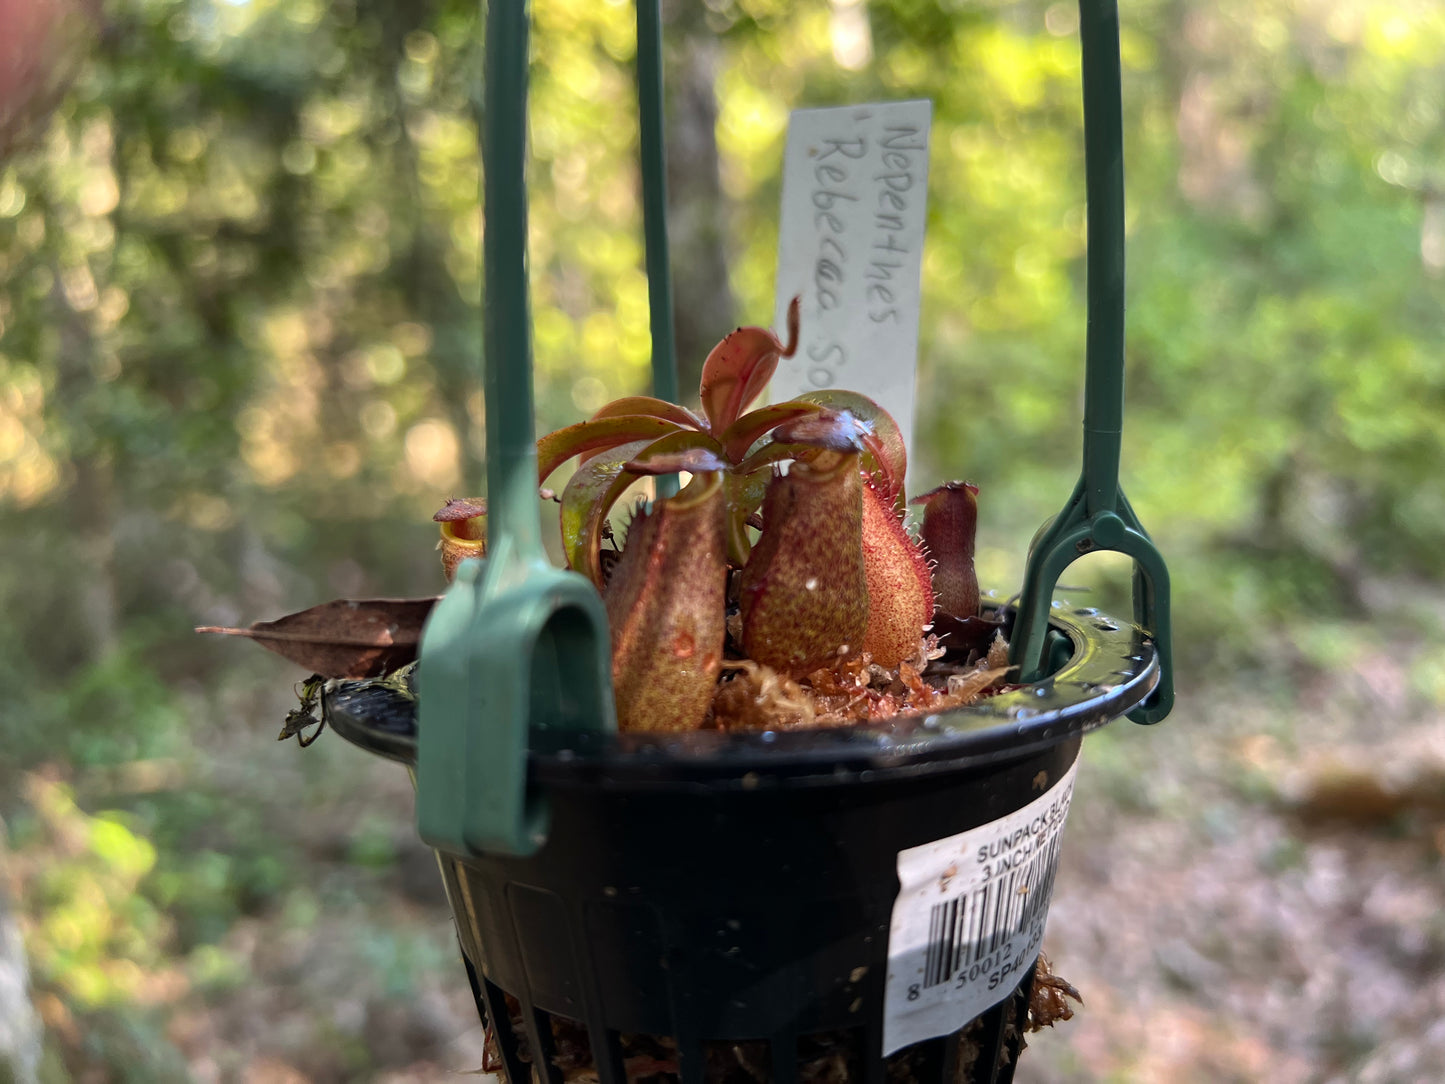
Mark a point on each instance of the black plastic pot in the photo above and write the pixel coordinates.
(724, 903)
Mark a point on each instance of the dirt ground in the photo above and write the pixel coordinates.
(1247, 894)
(1246, 897)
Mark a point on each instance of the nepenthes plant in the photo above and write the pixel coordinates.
(780, 586)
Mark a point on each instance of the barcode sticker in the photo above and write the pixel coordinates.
(969, 918)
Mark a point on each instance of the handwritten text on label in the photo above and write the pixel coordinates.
(855, 188)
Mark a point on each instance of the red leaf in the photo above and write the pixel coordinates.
(595, 487)
(742, 434)
(556, 448)
(657, 408)
(739, 368)
(885, 457)
(692, 460)
(345, 638)
(835, 430)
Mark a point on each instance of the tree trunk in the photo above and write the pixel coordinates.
(92, 491)
(703, 305)
(20, 1035)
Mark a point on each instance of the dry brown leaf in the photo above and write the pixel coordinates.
(997, 658)
(1049, 1000)
(967, 688)
(346, 638)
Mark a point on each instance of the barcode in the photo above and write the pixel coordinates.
(969, 927)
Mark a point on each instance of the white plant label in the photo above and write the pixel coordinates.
(850, 245)
(969, 918)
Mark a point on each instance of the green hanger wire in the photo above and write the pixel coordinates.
(1098, 516)
(516, 643)
(654, 210)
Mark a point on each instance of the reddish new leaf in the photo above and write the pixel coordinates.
(556, 448)
(42, 46)
(692, 461)
(657, 408)
(739, 437)
(885, 457)
(739, 368)
(346, 638)
(595, 487)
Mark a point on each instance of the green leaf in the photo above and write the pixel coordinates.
(588, 497)
(594, 489)
(744, 494)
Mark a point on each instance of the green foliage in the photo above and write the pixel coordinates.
(97, 933)
(113, 711)
(220, 860)
(373, 844)
(397, 958)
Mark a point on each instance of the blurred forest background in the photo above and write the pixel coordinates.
(239, 338)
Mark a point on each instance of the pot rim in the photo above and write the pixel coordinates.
(1112, 668)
